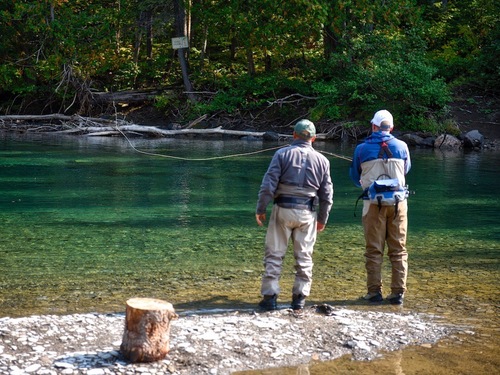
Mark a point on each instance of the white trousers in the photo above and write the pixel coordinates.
(299, 225)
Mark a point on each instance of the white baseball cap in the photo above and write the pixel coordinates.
(383, 119)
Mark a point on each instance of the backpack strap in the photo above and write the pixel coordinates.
(364, 195)
(384, 149)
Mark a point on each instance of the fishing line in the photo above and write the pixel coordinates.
(196, 159)
(215, 157)
(335, 155)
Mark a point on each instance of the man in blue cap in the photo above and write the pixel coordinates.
(382, 156)
(298, 182)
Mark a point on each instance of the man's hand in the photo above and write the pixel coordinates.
(260, 219)
(320, 227)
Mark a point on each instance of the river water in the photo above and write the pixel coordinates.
(87, 223)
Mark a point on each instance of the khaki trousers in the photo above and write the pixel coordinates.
(285, 224)
(380, 227)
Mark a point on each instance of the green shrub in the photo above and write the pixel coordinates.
(396, 75)
(249, 93)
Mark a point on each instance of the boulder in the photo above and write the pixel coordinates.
(271, 136)
(447, 141)
(473, 139)
(411, 139)
(428, 142)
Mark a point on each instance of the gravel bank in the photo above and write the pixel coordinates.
(215, 343)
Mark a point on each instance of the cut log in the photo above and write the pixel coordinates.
(146, 337)
(130, 97)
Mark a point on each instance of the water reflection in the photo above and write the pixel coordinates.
(88, 223)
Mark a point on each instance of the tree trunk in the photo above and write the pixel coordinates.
(330, 41)
(52, 13)
(138, 39)
(233, 46)
(250, 62)
(180, 30)
(118, 32)
(203, 54)
(147, 329)
(149, 35)
(267, 60)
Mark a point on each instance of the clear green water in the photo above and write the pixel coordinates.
(88, 223)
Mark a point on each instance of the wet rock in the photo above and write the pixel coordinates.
(428, 142)
(271, 136)
(412, 139)
(447, 141)
(421, 140)
(473, 139)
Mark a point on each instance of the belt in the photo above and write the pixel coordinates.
(301, 201)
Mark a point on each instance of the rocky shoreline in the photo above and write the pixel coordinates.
(473, 139)
(215, 343)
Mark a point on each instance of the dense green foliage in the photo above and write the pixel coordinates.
(328, 60)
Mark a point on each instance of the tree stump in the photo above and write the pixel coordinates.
(147, 329)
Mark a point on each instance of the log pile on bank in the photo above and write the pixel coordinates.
(92, 126)
(109, 127)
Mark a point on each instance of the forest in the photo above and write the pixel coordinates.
(332, 61)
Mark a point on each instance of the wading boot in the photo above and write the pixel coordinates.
(298, 301)
(269, 303)
(373, 297)
(396, 298)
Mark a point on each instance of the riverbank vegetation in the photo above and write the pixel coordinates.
(249, 62)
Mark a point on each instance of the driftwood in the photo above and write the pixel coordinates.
(92, 126)
(96, 126)
(152, 130)
(146, 337)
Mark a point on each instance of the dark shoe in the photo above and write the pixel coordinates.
(396, 298)
(298, 301)
(373, 297)
(269, 303)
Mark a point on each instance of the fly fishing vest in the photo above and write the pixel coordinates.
(383, 179)
(300, 196)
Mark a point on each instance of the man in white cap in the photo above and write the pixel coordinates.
(382, 156)
(298, 182)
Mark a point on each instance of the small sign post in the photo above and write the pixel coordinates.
(180, 42)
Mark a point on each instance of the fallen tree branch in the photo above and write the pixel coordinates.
(293, 98)
(197, 121)
(152, 130)
(132, 96)
(92, 126)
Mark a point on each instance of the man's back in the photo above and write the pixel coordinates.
(370, 150)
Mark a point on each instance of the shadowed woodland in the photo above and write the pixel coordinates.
(249, 64)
